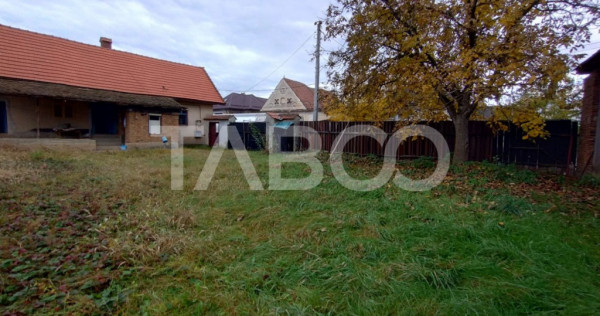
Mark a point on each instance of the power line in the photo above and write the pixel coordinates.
(279, 67)
(309, 85)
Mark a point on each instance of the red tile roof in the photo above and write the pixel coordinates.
(32, 56)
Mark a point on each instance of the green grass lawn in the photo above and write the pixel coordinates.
(103, 233)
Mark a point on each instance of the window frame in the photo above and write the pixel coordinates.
(150, 115)
(183, 117)
(63, 109)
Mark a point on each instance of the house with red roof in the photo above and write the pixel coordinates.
(53, 88)
(292, 97)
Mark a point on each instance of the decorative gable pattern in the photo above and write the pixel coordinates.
(283, 99)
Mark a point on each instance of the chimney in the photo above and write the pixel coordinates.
(105, 42)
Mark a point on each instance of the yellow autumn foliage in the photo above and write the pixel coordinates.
(424, 60)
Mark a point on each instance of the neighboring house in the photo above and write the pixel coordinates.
(239, 103)
(293, 97)
(588, 157)
(52, 87)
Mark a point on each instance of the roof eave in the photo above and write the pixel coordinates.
(589, 65)
(11, 86)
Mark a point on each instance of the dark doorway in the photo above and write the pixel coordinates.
(3, 118)
(213, 133)
(283, 136)
(104, 118)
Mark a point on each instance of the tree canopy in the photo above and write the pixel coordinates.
(429, 60)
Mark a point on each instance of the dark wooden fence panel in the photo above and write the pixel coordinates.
(558, 150)
(253, 135)
(480, 136)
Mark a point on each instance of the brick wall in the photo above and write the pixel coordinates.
(137, 127)
(589, 117)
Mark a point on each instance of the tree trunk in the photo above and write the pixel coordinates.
(461, 139)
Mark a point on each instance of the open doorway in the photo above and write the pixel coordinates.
(3, 118)
(104, 118)
(213, 133)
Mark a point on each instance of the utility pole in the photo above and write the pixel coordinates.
(317, 69)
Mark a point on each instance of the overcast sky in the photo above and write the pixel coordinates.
(239, 43)
(245, 46)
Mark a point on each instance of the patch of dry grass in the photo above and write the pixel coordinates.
(103, 233)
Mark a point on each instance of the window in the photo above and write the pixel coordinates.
(183, 117)
(63, 110)
(154, 124)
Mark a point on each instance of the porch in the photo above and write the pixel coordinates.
(49, 112)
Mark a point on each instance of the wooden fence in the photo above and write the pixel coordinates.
(558, 150)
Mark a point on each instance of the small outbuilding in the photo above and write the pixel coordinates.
(292, 97)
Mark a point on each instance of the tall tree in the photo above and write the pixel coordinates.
(425, 59)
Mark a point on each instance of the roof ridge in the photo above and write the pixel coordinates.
(295, 81)
(35, 56)
(98, 47)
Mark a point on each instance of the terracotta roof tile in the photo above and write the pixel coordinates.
(307, 94)
(38, 57)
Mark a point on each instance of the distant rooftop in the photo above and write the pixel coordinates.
(241, 102)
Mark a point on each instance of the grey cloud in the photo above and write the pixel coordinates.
(238, 42)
